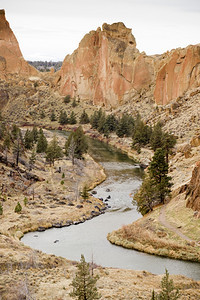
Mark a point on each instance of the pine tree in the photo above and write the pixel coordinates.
(168, 291)
(74, 104)
(28, 139)
(18, 146)
(125, 126)
(41, 143)
(169, 141)
(53, 116)
(158, 171)
(84, 285)
(84, 119)
(72, 118)
(18, 208)
(63, 119)
(156, 140)
(84, 193)
(146, 196)
(53, 151)
(1, 209)
(71, 149)
(141, 134)
(80, 143)
(34, 133)
(32, 158)
(67, 99)
(94, 120)
(111, 123)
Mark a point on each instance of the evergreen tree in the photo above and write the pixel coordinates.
(28, 139)
(34, 133)
(111, 123)
(84, 285)
(72, 118)
(84, 119)
(169, 141)
(125, 126)
(164, 140)
(15, 132)
(156, 140)
(32, 158)
(63, 119)
(94, 120)
(80, 142)
(53, 116)
(7, 145)
(18, 208)
(53, 151)
(71, 149)
(67, 99)
(18, 146)
(1, 209)
(168, 292)
(158, 171)
(146, 196)
(141, 134)
(74, 104)
(84, 193)
(41, 143)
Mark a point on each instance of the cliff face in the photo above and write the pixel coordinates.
(177, 72)
(11, 59)
(193, 189)
(108, 69)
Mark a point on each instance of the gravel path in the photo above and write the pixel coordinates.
(163, 221)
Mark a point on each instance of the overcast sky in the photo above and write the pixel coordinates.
(51, 29)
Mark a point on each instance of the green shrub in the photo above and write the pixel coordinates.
(25, 201)
(18, 207)
(67, 99)
(63, 175)
(62, 182)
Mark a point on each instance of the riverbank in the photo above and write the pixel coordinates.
(29, 272)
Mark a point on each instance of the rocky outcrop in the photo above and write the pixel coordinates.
(107, 69)
(178, 71)
(193, 189)
(11, 59)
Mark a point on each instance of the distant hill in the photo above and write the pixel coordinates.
(45, 66)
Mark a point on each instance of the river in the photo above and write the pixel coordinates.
(89, 238)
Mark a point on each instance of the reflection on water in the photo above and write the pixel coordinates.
(89, 238)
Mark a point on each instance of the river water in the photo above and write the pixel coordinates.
(89, 238)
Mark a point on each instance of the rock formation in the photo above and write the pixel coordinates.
(107, 69)
(193, 189)
(178, 72)
(11, 59)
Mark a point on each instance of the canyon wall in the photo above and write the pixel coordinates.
(107, 69)
(11, 59)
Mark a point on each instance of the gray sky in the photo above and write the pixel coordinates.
(51, 29)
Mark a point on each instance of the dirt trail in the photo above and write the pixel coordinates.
(163, 221)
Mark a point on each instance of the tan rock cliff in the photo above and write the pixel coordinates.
(11, 59)
(107, 69)
(193, 189)
(178, 72)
